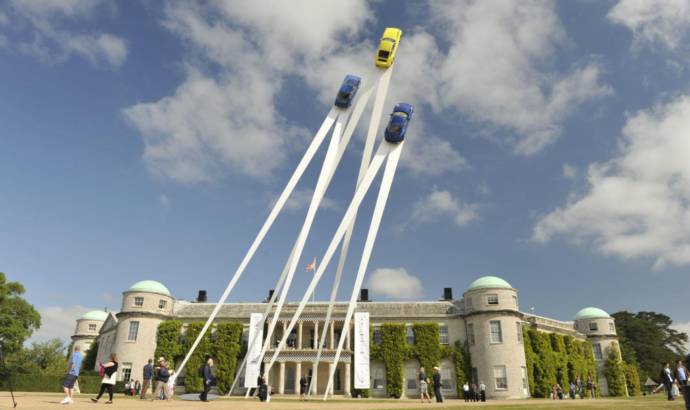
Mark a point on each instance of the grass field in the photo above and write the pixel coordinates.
(40, 401)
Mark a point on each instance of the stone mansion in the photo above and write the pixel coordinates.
(487, 317)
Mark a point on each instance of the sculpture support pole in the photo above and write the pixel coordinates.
(386, 183)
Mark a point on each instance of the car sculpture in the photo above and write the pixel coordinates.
(397, 126)
(347, 91)
(388, 46)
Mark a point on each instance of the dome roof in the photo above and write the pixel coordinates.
(95, 315)
(591, 313)
(149, 286)
(489, 282)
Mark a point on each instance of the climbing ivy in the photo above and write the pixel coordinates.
(462, 365)
(393, 352)
(560, 359)
(614, 370)
(193, 383)
(226, 349)
(427, 346)
(168, 340)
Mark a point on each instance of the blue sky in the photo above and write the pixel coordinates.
(148, 141)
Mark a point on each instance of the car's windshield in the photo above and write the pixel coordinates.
(383, 54)
(394, 128)
(400, 114)
(344, 95)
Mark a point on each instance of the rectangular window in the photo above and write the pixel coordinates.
(515, 302)
(612, 328)
(126, 372)
(446, 378)
(377, 336)
(92, 328)
(468, 303)
(133, 331)
(492, 299)
(597, 351)
(496, 333)
(411, 377)
(593, 326)
(378, 378)
(410, 335)
(519, 331)
(443, 332)
(162, 303)
(501, 377)
(138, 301)
(470, 334)
(525, 385)
(475, 375)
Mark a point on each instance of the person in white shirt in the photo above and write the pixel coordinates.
(466, 391)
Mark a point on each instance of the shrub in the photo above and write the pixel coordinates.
(193, 383)
(226, 349)
(614, 372)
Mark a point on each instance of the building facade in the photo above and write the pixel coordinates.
(487, 318)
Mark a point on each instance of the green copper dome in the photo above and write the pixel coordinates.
(489, 282)
(591, 313)
(95, 315)
(149, 286)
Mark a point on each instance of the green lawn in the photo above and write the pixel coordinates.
(649, 402)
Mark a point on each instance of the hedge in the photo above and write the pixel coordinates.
(632, 379)
(226, 349)
(27, 382)
(168, 343)
(614, 370)
(194, 383)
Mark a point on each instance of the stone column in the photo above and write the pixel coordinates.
(283, 334)
(281, 379)
(331, 378)
(299, 335)
(314, 379)
(347, 380)
(347, 338)
(332, 334)
(298, 375)
(316, 334)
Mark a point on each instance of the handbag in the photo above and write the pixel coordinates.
(101, 371)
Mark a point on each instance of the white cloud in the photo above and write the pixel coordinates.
(569, 171)
(654, 21)
(58, 322)
(441, 204)
(164, 201)
(54, 44)
(683, 327)
(497, 71)
(395, 283)
(300, 199)
(638, 203)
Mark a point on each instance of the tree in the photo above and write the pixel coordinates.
(227, 348)
(614, 370)
(647, 339)
(42, 358)
(18, 318)
(91, 355)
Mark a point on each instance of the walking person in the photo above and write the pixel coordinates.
(482, 391)
(437, 385)
(303, 384)
(207, 374)
(571, 391)
(162, 377)
(109, 379)
(473, 392)
(424, 385)
(148, 375)
(681, 374)
(170, 386)
(590, 387)
(71, 376)
(466, 392)
(667, 380)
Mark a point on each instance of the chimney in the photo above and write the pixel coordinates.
(202, 298)
(364, 295)
(447, 293)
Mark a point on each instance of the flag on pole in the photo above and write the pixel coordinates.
(312, 266)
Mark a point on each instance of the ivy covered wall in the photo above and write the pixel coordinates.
(226, 349)
(552, 358)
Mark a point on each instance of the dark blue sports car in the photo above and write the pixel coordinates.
(397, 126)
(347, 91)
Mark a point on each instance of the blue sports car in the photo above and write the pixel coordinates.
(397, 126)
(347, 91)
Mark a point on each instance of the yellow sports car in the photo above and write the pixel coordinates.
(388, 46)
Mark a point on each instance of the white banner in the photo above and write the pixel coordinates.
(256, 334)
(361, 350)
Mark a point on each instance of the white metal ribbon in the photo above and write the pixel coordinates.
(287, 191)
(386, 183)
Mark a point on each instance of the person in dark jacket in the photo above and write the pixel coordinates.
(667, 379)
(437, 385)
(162, 376)
(303, 384)
(208, 379)
(109, 379)
(263, 388)
(148, 375)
